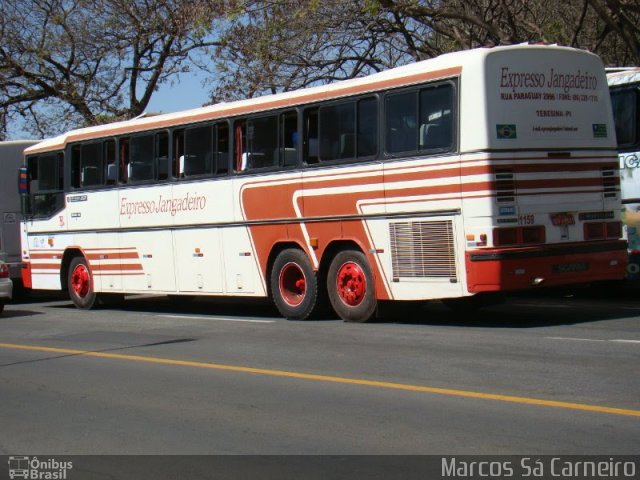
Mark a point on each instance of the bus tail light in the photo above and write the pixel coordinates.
(602, 230)
(23, 180)
(4, 270)
(614, 230)
(518, 236)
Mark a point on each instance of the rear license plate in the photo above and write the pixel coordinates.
(570, 267)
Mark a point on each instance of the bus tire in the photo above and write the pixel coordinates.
(1, 306)
(294, 285)
(351, 287)
(80, 284)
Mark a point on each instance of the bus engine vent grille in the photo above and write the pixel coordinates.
(423, 250)
(505, 186)
(610, 183)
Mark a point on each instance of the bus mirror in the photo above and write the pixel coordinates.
(23, 180)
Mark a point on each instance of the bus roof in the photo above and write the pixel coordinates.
(444, 66)
(623, 76)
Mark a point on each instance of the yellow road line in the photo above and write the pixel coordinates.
(333, 379)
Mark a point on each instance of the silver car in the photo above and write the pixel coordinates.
(6, 286)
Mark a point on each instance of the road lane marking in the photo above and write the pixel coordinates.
(577, 339)
(218, 319)
(599, 340)
(332, 379)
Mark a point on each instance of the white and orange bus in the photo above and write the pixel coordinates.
(624, 85)
(476, 172)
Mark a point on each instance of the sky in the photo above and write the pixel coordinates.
(186, 94)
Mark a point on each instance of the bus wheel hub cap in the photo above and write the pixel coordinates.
(352, 284)
(293, 284)
(80, 280)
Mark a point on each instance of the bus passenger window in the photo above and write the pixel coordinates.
(91, 168)
(337, 131)
(110, 164)
(311, 150)
(162, 155)
(436, 118)
(367, 127)
(221, 149)
(50, 173)
(288, 150)
(262, 142)
(240, 154)
(624, 104)
(198, 151)
(401, 123)
(141, 160)
(123, 146)
(75, 166)
(178, 154)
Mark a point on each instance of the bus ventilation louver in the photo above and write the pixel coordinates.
(505, 186)
(423, 250)
(610, 183)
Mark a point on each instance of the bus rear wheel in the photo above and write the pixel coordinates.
(80, 284)
(294, 285)
(351, 288)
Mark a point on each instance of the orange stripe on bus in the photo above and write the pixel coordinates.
(115, 267)
(113, 256)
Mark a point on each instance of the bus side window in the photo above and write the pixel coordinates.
(32, 165)
(337, 131)
(401, 132)
(436, 117)
(162, 155)
(123, 145)
(75, 166)
(110, 164)
(178, 154)
(288, 149)
(262, 142)
(311, 151)
(141, 159)
(367, 138)
(240, 156)
(198, 151)
(91, 166)
(221, 149)
(624, 105)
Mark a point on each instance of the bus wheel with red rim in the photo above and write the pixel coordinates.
(294, 284)
(350, 287)
(80, 284)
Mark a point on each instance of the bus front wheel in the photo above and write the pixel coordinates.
(350, 287)
(294, 285)
(80, 284)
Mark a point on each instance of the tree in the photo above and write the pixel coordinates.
(70, 63)
(285, 44)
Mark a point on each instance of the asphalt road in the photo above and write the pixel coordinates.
(539, 375)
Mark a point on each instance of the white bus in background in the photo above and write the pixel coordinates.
(11, 158)
(624, 85)
(470, 174)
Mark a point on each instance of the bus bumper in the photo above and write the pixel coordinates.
(496, 270)
(26, 275)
